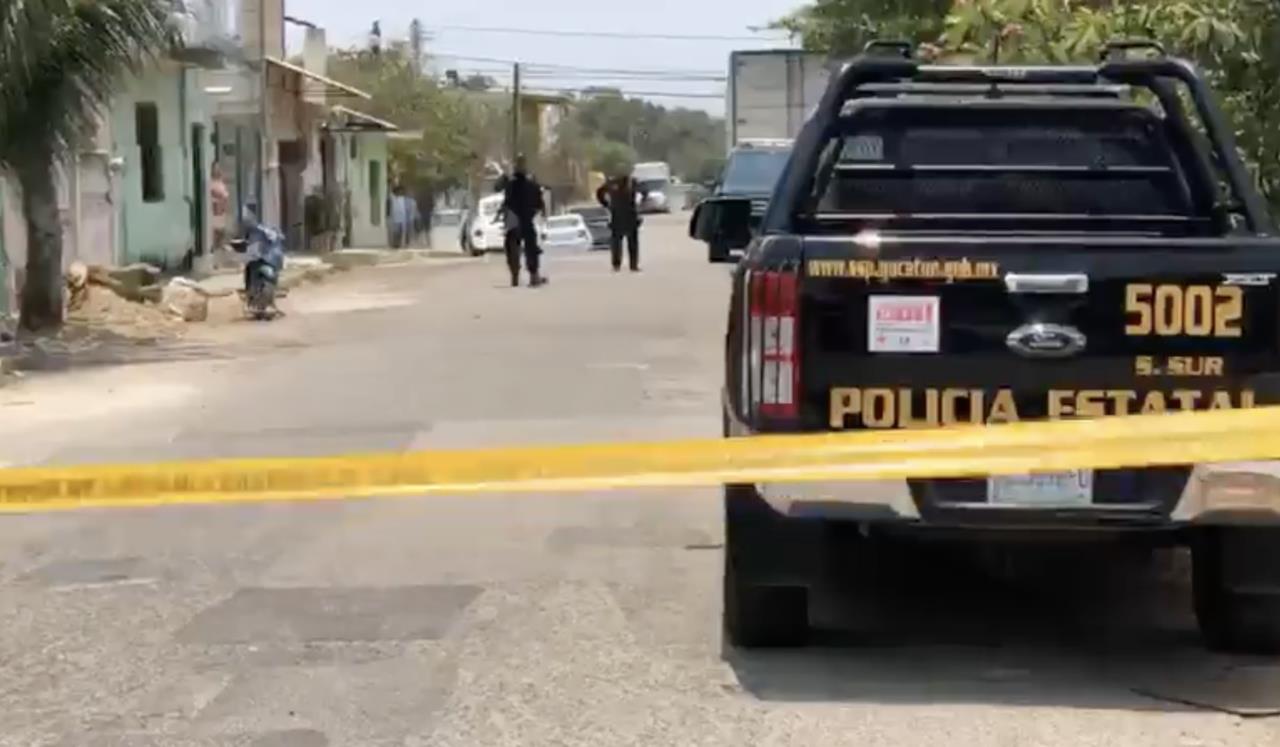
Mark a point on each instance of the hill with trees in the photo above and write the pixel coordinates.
(465, 124)
(617, 130)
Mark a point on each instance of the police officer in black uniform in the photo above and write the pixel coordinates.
(622, 195)
(522, 202)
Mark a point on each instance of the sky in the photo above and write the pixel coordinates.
(698, 62)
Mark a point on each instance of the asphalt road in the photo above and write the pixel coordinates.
(587, 619)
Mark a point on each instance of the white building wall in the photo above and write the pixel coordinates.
(253, 23)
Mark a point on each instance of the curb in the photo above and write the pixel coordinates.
(351, 258)
(289, 281)
(421, 261)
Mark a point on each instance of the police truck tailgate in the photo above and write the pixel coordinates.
(999, 330)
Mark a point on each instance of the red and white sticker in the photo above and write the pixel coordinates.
(903, 324)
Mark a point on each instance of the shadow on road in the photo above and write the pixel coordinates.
(937, 624)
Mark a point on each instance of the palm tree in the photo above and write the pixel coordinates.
(59, 63)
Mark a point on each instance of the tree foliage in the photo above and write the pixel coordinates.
(465, 123)
(460, 129)
(60, 62)
(1236, 43)
(619, 130)
(612, 158)
(843, 27)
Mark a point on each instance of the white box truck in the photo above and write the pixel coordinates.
(771, 92)
(769, 96)
(654, 178)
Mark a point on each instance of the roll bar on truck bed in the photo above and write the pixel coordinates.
(889, 63)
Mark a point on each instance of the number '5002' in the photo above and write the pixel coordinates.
(1191, 310)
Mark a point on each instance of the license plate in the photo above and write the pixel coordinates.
(1049, 490)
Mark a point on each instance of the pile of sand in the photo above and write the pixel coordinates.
(101, 309)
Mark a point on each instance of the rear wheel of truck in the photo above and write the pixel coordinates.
(1236, 580)
(717, 254)
(765, 605)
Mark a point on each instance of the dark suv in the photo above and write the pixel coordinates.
(751, 173)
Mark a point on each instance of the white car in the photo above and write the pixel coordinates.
(566, 232)
(483, 233)
(485, 230)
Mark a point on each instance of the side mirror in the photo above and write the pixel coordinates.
(722, 221)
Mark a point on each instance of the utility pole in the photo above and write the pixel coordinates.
(515, 112)
(415, 45)
(264, 118)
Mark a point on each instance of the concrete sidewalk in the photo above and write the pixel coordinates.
(300, 267)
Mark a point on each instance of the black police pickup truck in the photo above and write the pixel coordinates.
(987, 244)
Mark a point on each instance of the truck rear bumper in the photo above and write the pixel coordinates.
(1226, 493)
(1218, 494)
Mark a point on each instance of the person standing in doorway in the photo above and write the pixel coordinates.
(398, 217)
(522, 202)
(426, 207)
(414, 221)
(219, 205)
(622, 195)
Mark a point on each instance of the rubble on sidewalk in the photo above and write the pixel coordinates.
(130, 308)
(135, 301)
(108, 296)
(137, 282)
(140, 302)
(186, 300)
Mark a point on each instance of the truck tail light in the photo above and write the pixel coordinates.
(773, 367)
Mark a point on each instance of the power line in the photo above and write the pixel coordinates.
(577, 68)
(608, 90)
(598, 81)
(575, 75)
(598, 34)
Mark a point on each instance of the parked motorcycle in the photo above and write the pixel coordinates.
(262, 271)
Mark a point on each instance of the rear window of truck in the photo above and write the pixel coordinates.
(1103, 162)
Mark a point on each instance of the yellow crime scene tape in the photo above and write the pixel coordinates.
(1018, 448)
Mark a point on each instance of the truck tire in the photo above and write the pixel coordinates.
(1236, 585)
(716, 254)
(765, 604)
